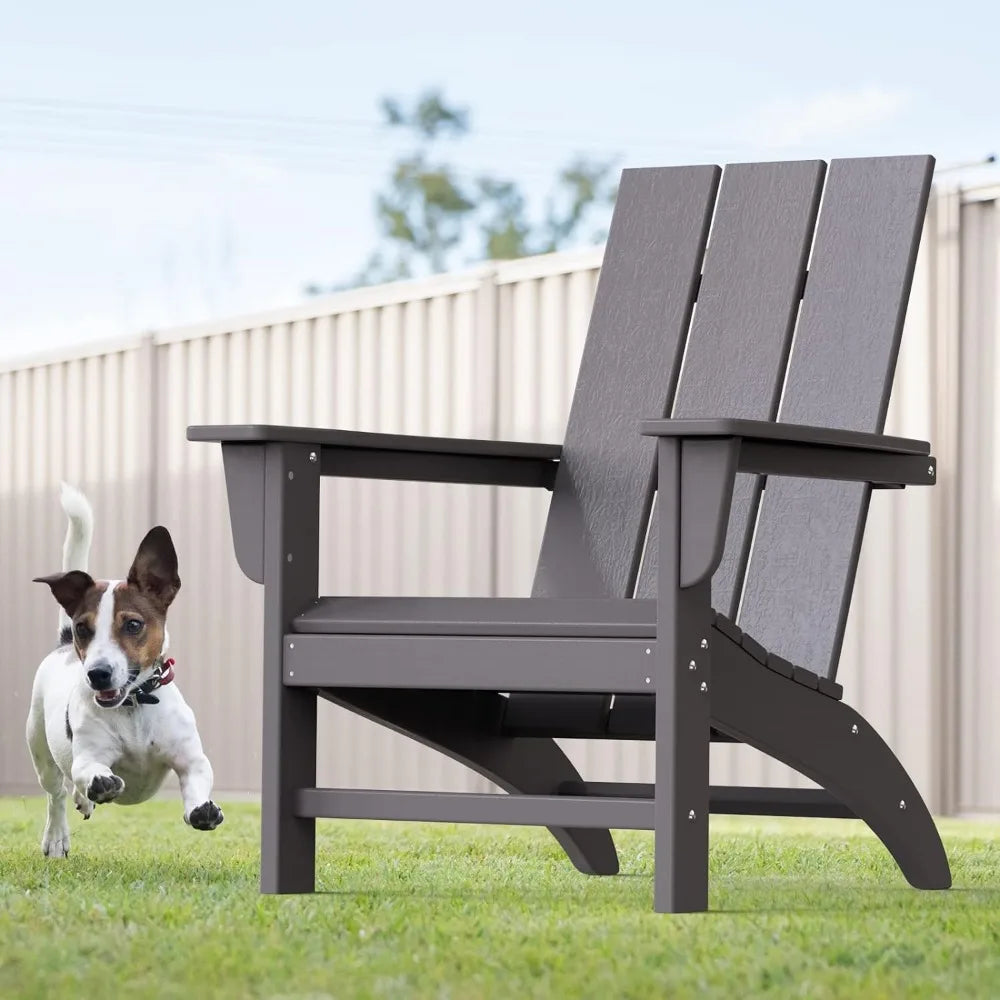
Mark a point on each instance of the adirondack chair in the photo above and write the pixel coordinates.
(661, 624)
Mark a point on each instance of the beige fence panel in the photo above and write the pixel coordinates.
(978, 512)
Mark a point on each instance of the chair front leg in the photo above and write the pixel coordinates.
(681, 671)
(288, 751)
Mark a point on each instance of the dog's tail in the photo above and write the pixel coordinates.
(76, 547)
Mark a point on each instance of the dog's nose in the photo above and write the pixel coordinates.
(99, 677)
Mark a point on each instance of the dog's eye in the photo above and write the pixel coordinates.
(133, 626)
(83, 631)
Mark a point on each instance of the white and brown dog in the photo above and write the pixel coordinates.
(95, 728)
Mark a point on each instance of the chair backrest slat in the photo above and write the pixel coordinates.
(805, 551)
(642, 307)
(737, 351)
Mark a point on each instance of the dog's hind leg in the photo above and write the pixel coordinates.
(55, 838)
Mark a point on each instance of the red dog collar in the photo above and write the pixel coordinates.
(167, 673)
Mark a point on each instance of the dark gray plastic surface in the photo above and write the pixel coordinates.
(480, 616)
(332, 438)
(760, 430)
(469, 663)
(799, 581)
(288, 744)
(742, 327)
(600, 506)
(830, 743)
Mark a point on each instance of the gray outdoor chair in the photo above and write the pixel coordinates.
(776, 378)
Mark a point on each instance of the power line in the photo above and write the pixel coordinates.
(298, 142)
(117, 137)
(328, 163)
(150, 142)
(372, 126)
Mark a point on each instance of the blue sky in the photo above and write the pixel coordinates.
(169, 164)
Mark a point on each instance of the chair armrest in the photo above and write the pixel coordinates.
(250, 450)
(769, 448)
(771, 431)
(366, 455)
(711, 452)
(333, 438)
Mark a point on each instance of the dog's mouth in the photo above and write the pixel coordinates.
(113, 697)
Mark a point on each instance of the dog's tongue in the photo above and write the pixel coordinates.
(109, 695)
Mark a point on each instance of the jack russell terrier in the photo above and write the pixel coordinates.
(94, 727)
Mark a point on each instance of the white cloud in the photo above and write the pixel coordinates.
(832, 115)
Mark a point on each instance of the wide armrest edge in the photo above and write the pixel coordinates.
(776, 433)
(333, 438)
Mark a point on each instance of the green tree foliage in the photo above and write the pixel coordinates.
(429, 213)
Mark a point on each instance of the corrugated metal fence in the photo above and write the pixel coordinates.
(489, 353)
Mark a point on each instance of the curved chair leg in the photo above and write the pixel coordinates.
(464, 725)
(833, 745)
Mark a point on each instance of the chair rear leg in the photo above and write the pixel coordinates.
(833, 745)
(520, 765)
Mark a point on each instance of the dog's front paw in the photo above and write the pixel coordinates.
(83, 805)
(55, 842)
(207, 816)
(105, 788)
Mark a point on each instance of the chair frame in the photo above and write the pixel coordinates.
(273, 478)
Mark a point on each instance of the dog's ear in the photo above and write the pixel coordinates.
(68, 588)
(154, 570)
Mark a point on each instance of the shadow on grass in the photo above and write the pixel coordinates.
(846, 899)
(739, 900)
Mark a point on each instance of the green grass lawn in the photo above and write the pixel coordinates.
(145, 907)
